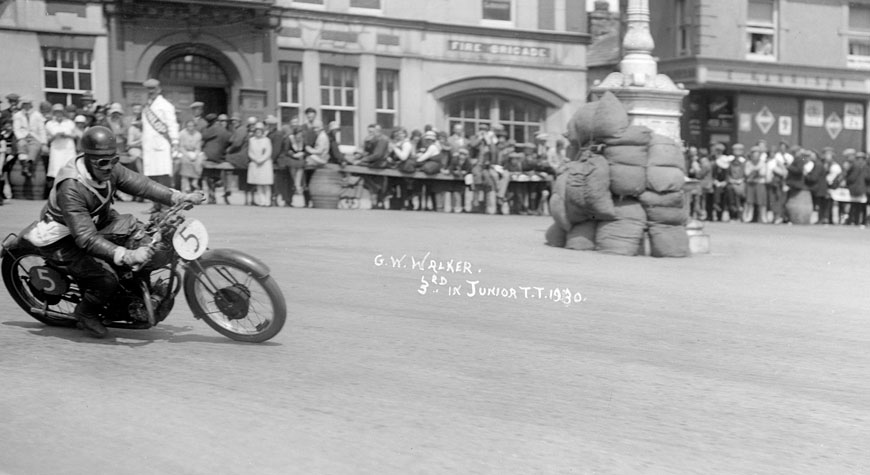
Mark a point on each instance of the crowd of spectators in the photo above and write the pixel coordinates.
(762, 185)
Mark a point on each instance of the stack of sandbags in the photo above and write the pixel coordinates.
(627, 155)
(580, 198)
(623, 235)
(664, 199)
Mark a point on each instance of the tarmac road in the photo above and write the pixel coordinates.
(754, 359)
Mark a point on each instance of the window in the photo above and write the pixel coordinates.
(372, 4)
(289, 90)
(387, 102)
(497, 10)
(859, 36)
(309, 2)
(338, 92)
(684, 28)
(67, 74)
(761, 30)
(521, 118)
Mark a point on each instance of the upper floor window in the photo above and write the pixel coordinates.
(289, 91)
(859, 36)
(387, 100)
(308, 3)
(684, 28)
(67, 74)
(761, 30)
(338, 93)
(366, 4)
(498, 10)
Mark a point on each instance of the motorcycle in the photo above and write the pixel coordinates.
(231, 291)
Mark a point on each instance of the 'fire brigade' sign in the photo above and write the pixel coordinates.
(499, 49)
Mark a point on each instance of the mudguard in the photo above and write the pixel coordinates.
(14, 242)
(259, 269)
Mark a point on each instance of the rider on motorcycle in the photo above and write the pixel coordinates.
(72, 225)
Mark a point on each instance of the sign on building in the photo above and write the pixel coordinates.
(834, 125)
(814, 113)
(853, 118)
(765, 119)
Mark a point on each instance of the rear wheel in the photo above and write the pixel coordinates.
(234, 302)
(16, 275)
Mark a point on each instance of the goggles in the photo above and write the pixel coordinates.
(105, 162)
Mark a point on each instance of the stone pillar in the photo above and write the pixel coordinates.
(651, 99)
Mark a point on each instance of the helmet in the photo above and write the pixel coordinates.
(99, 140)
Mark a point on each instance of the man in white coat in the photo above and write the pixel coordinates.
(159, 136)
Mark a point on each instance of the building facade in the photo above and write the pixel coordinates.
(779, 70)
(521, 63)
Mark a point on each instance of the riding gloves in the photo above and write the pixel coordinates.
(197, 197)
(132, 257)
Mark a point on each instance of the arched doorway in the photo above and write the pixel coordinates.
(191, 73)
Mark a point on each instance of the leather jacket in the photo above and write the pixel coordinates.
(77, 203)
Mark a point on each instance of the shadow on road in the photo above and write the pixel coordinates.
(130, 338)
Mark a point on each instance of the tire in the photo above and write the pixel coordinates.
(21, 292)
(203, 302)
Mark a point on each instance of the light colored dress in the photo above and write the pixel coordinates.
(61, 149)
(190, 145)
(260, 167)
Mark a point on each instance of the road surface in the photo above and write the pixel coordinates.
(754, 359)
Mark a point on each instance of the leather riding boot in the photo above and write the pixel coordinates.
(89, 320)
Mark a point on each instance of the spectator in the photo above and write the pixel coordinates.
(755, 171)
(461, 167)
(736, 187)
(721, 164)
(29, 128)
(309, 136)
(8, 154)
(62, 143)
(833, 172)
(199, 121)
(190, 157)
(335, 154)
(118, 124)
(457, 140)
(260, 171)
(704, 209)
(81, 123)
(134, 139)
(237, 154)
(71, 111)
(276, 137)
(375, 150)
(159, 137)
(89, 105)
(14, 106)
(291, 166)
(856, 181)
(215, 140)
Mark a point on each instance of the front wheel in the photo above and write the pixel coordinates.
(234, 301)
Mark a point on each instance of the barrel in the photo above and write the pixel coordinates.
(325, 188)
(799, 206)
(27, 188)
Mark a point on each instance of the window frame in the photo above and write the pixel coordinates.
(754, 27)
(77, 56)
(345, 138)
(382, 97)
(512, 4)
(494, 114)
(367, 10)
(856, 61)
(287, 88)
(312, 6)
(685, 25)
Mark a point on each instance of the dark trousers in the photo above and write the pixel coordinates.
(775, 199)
(858, 214)
(825, 209)
(283, 185)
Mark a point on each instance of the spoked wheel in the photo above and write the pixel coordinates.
(16, 276)
(234, 302)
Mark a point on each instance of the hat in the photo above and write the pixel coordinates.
(259, 125)
(211, 117)
(754, 149)
(116, 108)
(462, 150)
(222, 117)
(197, 104)
(828, 149)
(71, 108)
(151, 83)
(333, 125)
(271, 119)
(12, 97)
(541, 136)
(26, 100)
(88, 96)
(236, 117)
(252, 120)
(430, 135)
(849, 151)
(860, 155)
(57, 108)
(81, 119)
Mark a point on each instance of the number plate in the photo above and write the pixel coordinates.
(190, 240)
(48, 280)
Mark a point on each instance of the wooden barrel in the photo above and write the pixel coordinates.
(799, 207)
(325, 188)
(27, 188)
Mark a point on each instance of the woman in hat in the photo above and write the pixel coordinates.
(191, 157)
(260, 172)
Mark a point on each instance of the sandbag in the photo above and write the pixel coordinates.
(557, 210)
(626, 180)
(624, 235)
(555, 236)
(634, 155)
(665, 152)
(632, 135)
(674, 199)
(665, 179)
(581, 237)
(667, 215)
(598, 120)
(587, 189)
(668, 241)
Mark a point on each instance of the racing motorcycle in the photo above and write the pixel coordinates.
(232, 291)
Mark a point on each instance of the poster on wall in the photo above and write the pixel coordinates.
(784, 125)
(834, 125)
(853, 117)
(814, 113)
(765, 119)
(745, 122)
